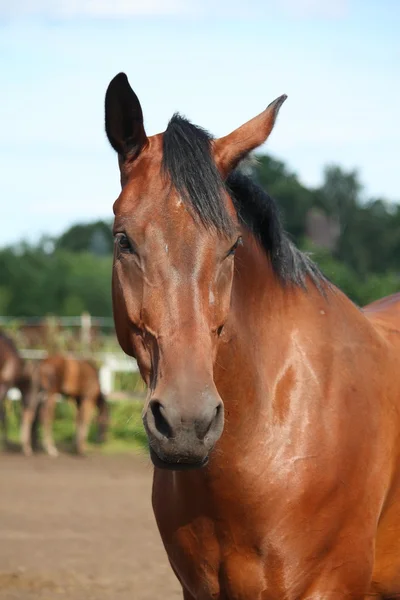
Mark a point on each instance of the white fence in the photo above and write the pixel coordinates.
(111, 364)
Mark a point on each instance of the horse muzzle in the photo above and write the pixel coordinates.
(183, 439)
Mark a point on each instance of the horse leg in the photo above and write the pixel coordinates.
(29, 426)
(186, 595)
(3, 413)
(35, 428)
(48, 409)
(25, 434)
(83, 418)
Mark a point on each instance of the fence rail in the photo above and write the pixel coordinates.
(64, 321)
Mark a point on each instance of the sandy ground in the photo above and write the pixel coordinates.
(78, 528)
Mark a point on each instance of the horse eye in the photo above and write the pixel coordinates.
(238, 242)
(123, 242)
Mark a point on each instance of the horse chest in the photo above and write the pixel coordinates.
(214, 570)
(210, 557)
(224, 550)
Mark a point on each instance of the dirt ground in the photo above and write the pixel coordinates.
(80, 529)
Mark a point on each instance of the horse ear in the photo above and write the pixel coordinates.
(124, 119)
(231, 149)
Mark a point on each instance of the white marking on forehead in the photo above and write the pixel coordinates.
(166, 248)
(179, 202)
(211, 297)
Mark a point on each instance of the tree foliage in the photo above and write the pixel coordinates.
(87, 237)
(365, 258)
(65, 283)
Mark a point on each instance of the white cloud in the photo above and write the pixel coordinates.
(92, 8)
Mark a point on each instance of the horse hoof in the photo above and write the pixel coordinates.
(27, 452)
(53, 452)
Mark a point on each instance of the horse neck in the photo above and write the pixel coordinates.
(276, 335)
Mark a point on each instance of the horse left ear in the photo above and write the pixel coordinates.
(231, 149)
(124, 119)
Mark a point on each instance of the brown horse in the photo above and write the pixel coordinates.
(74, 378)
(14, 372)
(11, 365)
(273, 411)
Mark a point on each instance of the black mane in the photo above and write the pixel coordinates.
(188, 161)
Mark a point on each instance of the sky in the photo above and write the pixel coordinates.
(219, 63)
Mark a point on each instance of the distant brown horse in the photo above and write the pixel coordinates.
(273, 411)
(14, 372)
(74, 378)
(11, 366)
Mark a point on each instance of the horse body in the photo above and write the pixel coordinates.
(69, 377)
(273, 408)
(384, 315)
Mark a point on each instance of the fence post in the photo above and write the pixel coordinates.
(86, 324)
(106, 375)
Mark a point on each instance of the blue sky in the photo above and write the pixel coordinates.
(217, 62)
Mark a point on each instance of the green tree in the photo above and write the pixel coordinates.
(36, 284)
(293, 198)
(93, 237)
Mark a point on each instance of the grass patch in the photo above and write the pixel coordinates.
(125, 434)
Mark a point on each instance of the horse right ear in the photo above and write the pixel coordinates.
(231, 149)
(124, 119)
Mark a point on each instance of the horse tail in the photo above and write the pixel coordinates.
(102, 417)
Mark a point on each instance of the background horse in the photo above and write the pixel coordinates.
(273, 410)
(70, 377)
(14, 372)
(11, 365)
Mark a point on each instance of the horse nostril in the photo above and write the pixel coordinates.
(219, 330)
(207, 431)
(215, 416)
(160, 420)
